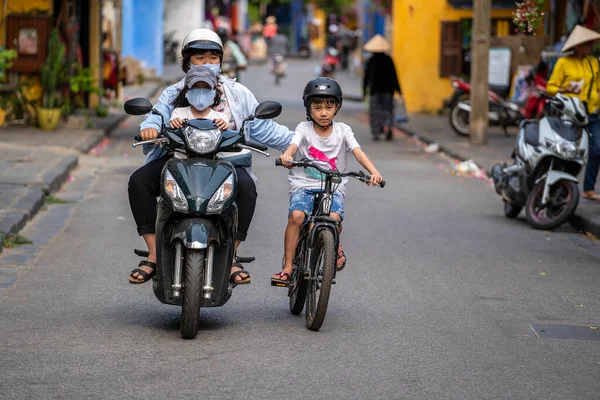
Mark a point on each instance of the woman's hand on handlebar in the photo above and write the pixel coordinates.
(286, 160)
(376, 178)
(149, 134)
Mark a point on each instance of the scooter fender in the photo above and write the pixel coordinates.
(551, 178)
(195, 233)
(555, 176)
(464, 106)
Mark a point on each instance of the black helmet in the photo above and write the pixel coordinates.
(321, 87)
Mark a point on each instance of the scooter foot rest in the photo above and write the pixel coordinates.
(141, 253)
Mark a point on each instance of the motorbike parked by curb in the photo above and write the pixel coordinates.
(197, 214)
(549, 155)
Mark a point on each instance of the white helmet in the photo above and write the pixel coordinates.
(202, 39)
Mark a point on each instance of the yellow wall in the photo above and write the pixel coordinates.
(319, 43)
(416, 50)
(22, 7)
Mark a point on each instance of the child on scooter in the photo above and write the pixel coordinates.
(324, 140)
(199, 94)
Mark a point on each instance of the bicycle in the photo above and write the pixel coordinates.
(314, 268)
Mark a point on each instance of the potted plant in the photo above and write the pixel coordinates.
(49, 112)
(6, 60)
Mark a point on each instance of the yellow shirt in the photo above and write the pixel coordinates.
(573, 69)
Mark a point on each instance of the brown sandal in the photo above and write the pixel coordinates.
(591, 196)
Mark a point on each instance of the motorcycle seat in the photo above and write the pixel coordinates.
(532, 133)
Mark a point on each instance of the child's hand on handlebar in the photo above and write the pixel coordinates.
(375, 179)
(221, 124)
(176, 123)
(286, 160)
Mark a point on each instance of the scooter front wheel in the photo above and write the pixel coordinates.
(192, 293)
(459, 121)
(562, 202)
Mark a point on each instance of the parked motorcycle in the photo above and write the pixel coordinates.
(549, 155)
(501, 112)
(197, 215)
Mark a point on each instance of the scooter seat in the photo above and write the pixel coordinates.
(532, 133)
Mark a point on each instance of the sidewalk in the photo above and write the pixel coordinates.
(436, 129)
(34, 163)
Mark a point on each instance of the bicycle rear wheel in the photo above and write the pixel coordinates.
(319, 286)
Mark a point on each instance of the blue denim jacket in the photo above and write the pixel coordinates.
(242, 103)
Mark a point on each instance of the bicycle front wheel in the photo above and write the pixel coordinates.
(319, 285)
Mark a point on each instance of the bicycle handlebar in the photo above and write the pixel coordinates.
(361, 176)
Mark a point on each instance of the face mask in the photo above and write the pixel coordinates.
(201, 99)
(216, 68)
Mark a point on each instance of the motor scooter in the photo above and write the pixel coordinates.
(197, 214)
(548, 156)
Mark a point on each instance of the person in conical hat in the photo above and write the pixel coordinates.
(377, 44)
(380, 82)
(578, 75)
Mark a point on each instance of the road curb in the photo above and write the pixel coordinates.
(427, 141)
(15, 220)
(579, 222)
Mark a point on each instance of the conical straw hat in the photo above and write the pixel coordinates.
(580, 35)
(377, 44)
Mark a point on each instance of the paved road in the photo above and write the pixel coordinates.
(437, 301)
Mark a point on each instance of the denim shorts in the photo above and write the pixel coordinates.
(304, 199)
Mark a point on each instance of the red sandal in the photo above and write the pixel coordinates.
(277, 279)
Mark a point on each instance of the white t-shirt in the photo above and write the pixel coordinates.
(331, 151)
(186, 113)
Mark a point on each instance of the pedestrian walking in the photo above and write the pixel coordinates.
(578, 75)
(380, 82)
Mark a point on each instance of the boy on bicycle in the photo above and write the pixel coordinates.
(321, 139)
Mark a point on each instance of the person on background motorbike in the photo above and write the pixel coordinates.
(279, 47)
(579, 76)
(232, 54)
(200, 47)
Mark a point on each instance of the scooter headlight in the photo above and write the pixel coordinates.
(564, 148)
(202, 141)
(215, 205)
(175, 193)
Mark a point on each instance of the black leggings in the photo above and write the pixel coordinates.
(144, 188)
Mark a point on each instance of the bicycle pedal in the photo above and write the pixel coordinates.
(279, 284)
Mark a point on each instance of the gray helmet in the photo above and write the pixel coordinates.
(321, 87)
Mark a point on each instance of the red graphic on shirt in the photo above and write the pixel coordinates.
(319, 155)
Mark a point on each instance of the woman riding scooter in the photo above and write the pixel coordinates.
(199, 47)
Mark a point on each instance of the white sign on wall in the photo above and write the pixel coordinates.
(499, 68)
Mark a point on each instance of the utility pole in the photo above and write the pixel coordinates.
(479, 70)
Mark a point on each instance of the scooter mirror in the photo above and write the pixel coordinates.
(138, 106)
(268, 110)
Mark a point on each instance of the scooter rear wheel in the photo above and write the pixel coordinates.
(511, 210)
(564, 197)
(192, 293)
